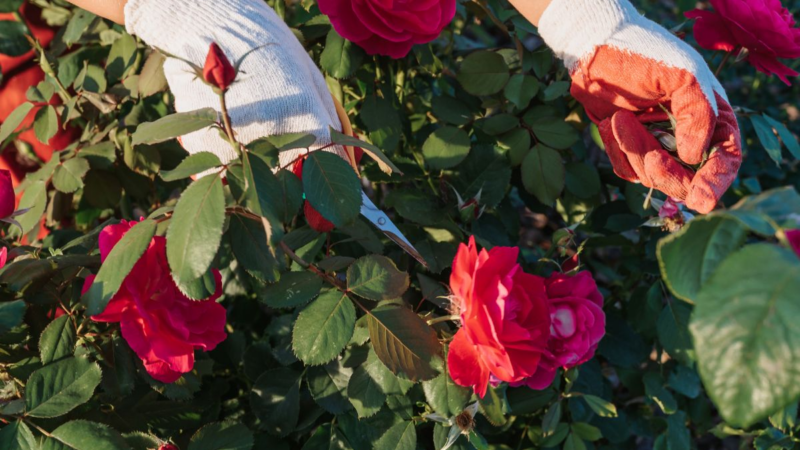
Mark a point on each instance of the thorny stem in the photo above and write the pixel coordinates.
(310, 267)
(226, 121)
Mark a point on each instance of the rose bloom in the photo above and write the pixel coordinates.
(8, 200)
(163, 326)
(218, 70)
(505, 323)
(764, 27)
(389, 27)
(578, 323)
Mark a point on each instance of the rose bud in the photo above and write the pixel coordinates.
(470, 210)
(218, 70)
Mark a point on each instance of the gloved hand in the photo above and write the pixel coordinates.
(624, 68)
(279, 89)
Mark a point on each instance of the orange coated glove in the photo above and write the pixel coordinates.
(626, 70)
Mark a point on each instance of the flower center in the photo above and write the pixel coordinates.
(563, 323)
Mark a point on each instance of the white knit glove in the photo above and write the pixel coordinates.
(279, 89)
(625, 69)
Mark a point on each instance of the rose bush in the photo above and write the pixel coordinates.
(144, 306)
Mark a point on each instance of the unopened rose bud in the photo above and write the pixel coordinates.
(168, 447)
(470, 210)
(218, 70)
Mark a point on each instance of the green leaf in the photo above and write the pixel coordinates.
(673, 332)
(323, 328)
(222, 436)
(340, 58)
(85, 435)
(143, 159)
(600, 407)
(34, 199)
(573, 442)
(261, 188)
(58, 340)
(152, 79)
(332, 187)
(77, 25)
(486, 170)
(293, 289)
(483, 73)
(678, 435)
(767, 137)
(518, 143)
(142, 441)
(101, 156)
(17, 436)
(551, 419)
(446, 148)
(451, 110)
(585, 431)
(195, 232)
(383, 122)
(655, 390)
(748, 348)
(521, 89)
(11, 315)
(10, 6)
(14, 120)
(689, 257)
(45, 124)
(68, 176)
(328, 386)
(543, 174)
(41, 93)
(389, 383)
(405, 343)
(291, 197)
(385, 164)
(275, 400)
(582, 180)
(121, 57)
(376, 277)
(92, 79)
(364, 393)
(444, 395)
(60, 387)
(789, 139)
(401, 436)
(252, 246)
(117, 266)
(554, 132)
(12, 39)
(173, 126)
(192, 165)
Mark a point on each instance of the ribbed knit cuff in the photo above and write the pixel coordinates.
(573, 28)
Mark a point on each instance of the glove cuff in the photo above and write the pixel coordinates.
(574, 28)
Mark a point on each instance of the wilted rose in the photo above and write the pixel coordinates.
(218, 70)
(504, 318)
(391, 27)
(764, 27)
(578, 323)
(161, 324)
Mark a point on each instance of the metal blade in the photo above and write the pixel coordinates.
(383, 223)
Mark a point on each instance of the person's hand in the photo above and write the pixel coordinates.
(625, 69)
(279, 89)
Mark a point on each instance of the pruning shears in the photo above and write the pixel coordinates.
(371, 212)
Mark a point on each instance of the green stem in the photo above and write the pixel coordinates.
(722, 64)
(452, 318)
(226, 121)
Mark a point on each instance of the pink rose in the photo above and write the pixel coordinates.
(793, 236)
(3, 257)
(504, 320)
(163, 326)
(8, 200)
(764, 27)
(578, 323)
(389, 27)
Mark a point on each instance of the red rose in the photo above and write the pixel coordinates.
(389, 27)
(505, 323)
(8, 200)
(218, 71)
(163, 326)
(578, 325)
(764, 27)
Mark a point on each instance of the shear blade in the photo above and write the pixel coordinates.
(383, 223)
